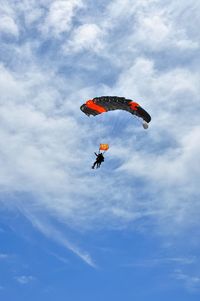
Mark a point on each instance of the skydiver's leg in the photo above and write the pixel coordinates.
(98, 164)
(93, 166)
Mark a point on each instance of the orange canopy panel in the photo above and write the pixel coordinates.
(103, 147)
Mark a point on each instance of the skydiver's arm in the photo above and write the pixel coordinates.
(96, 154)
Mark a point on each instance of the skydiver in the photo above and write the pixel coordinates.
(99, 160)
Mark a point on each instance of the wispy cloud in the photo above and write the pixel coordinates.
(3, 256)
(51, 232)
(191, 282)
(24, 279)
(165, 261)
(60, 258)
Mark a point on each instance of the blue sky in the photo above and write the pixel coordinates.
(129, 230)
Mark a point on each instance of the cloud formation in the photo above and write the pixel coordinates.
(142, 50)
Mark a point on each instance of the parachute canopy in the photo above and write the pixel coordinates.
(104, 104)
(103, 147)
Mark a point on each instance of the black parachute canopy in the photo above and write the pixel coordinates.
(104, 104)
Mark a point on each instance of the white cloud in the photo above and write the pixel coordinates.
(127, 8)
(33, 11)
(85, 37)
(59, 17)
(156, 31)
(8, 26)
(152, 30)
(171, 177)
(11, 88)
(26, 118)
(8, 20)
